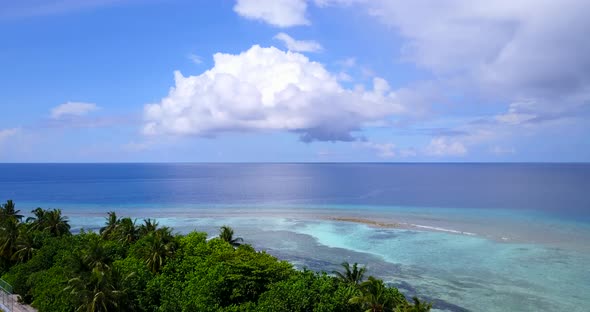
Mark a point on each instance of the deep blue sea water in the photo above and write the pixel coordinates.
(481, 237)
(560, 189)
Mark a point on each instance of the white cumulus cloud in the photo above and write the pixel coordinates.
(442, 146)
(298, 45)
(73, 109)
(269, 89)
(281, 13)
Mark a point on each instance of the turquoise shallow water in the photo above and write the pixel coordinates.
(470, 271)
(510, 264)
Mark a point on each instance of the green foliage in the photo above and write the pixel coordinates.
(306, 291)
(415, 306)
(375, 296)
(55, 224)
(193, 244)
(146, 268)
(149, 226)
(212, 275)
(94, 256)
(111, 223)
(137, 276)
(8, 211)
(123, 230)
(157, 247)
(102, 291)
(47, 291)
(226, 234)
(49, 255)
(352, 275)
(9, 230)
(27, 244)
(37, 220)
(126, 231)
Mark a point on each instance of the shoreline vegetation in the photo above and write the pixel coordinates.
(127, 266)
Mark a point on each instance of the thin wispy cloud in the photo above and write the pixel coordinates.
(298, 45)
(502, 151)
(280, 13)
(445, 147)
(196, 59)
(7, 133)
(383, 150)
(73, 109)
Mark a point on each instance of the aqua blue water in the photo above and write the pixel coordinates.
(480, 237)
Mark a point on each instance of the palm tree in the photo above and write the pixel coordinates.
(95, 257)
(351, 275)
(373, 297)
(38, 220)
(160, 247)
(226, 234)
(55, 223)
(418, 306)
(126, 231)
(38, 213)
(26, 245)
(149, 226)
(111, 223)
(8, 211)
(101, 292)
(9, 231)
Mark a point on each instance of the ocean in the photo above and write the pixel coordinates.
(469, 237)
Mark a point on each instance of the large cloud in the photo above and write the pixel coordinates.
(269, 89)
(531, 53)
(526, 48)
(506, 50)
(531, 56)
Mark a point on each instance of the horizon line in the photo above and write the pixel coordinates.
(297, 162)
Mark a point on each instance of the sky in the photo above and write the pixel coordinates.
(294, 81)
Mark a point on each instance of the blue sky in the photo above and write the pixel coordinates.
(294, 80)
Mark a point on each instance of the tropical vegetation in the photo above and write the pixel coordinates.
(145, 267)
